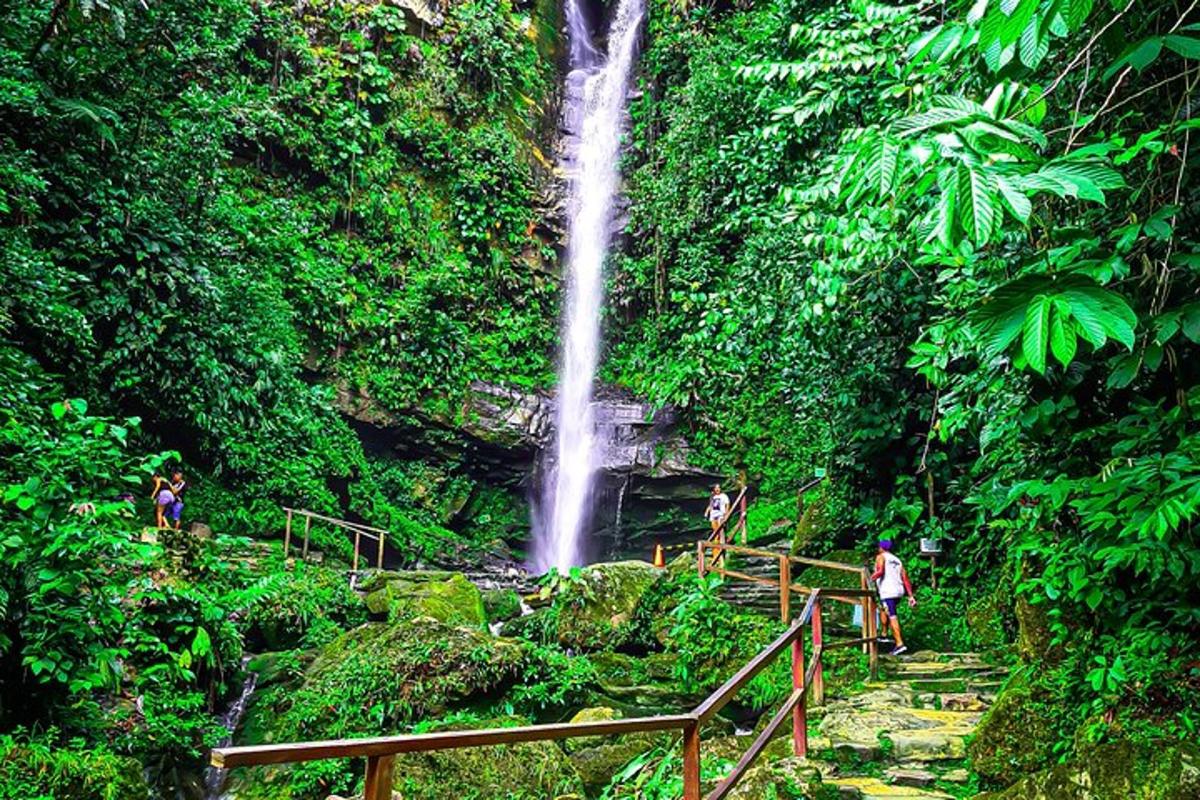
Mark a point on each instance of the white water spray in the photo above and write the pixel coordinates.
(595, 105)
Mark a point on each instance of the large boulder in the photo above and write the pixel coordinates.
(1017, 734)
(595, 609)
(445, 596)
(529, 769)
(598, 758)
(781, 774)
(641, 686)
(1118, 771)
(501, 605)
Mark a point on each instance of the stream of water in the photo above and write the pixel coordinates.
(214, 777)
(594, 109)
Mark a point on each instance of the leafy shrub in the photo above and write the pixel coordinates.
(302, 607)
(44, 767)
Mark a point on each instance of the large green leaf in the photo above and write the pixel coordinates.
(933, 118)
(981, 200)
(1036, 333)
(1062, 338)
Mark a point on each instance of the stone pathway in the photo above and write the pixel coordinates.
(902, 738)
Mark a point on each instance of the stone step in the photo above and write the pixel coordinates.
(924, 735)
(936, 669)
(861, 787)
(912, 777)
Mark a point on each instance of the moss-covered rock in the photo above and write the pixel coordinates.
(1119, 771)
(419, 667)
(593, 714)
(1035, 641)
(640, 686)
(445, 596)
(501, 605)
(596, 609)
(598, 758)
(985, 620)
(527, 771)
(783, 777)
(372, 681)
(1017, 734)
(31, 770)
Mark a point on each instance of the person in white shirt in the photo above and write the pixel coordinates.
(893, 584)
(718, 508)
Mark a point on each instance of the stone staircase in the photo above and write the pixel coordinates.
(901, 738)
(905, 736)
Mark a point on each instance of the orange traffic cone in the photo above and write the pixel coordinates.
(659, 559)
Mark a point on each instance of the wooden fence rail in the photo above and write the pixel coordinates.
(807, 684)
(863, 597)
(377, 535)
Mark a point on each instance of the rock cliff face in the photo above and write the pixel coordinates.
(502, 434)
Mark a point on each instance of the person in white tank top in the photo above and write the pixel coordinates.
(893, 583)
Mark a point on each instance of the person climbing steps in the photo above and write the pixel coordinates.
(893, 583)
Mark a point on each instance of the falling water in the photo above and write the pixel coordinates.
(595, 105)
(214, 777)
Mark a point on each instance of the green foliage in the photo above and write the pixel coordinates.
(657, 774)
(42, 768)
(552, 679)
(710, 639)
(1001, 189)
(306, 607)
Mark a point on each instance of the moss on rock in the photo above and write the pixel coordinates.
(1016, 735)
(527, 771)
(640, 686)
(1118, 771)
(598, 758)
(595, 611)
(501, 605)
(445, 596)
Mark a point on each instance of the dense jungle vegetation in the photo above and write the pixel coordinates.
(942, 254)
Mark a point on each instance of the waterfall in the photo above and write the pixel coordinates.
(596, 87)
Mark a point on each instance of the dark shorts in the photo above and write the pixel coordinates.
(890, 604)
(175, 510)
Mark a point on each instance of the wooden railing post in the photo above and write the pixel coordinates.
(307, 525)
(800, 712)
(742, 515)
(873, 642)
(785, 589)
(700, 558)
(287, 534)
(357, 540)
(691, 761)
(863, 604)
(818, 684)
(379, 555)
(378, 782)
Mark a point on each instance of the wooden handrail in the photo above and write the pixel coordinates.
(358, 529)
(817, 562)
(442, 740)
(807, 682)
(723, 694)
(341, 523)
(768, 733)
